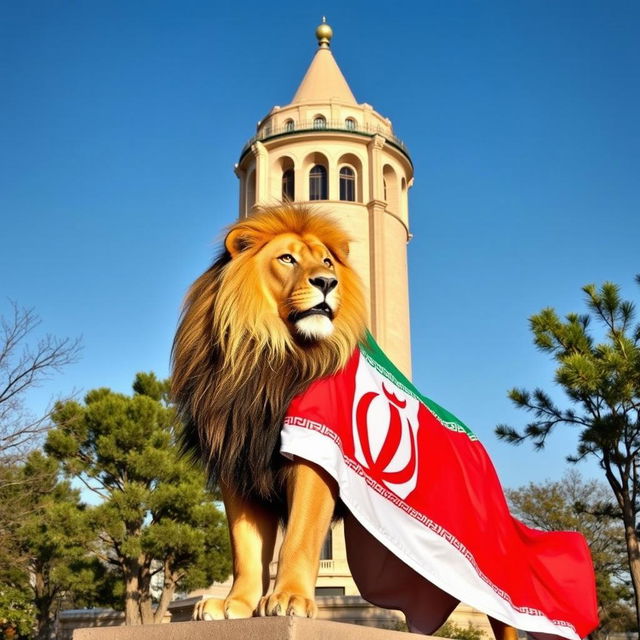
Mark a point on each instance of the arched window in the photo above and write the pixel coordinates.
(350, 124)
(288, 185)
(384, 189)
(391, 188)
(319, 122)
(318, 183)
(347, 184)
(289, 125)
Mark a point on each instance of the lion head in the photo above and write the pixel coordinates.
(279, 308)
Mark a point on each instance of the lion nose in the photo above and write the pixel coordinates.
(324, 283)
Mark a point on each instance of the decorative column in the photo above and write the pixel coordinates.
(262, 172)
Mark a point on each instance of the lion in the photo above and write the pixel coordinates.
(279, 308)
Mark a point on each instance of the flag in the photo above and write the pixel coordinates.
(428, 523)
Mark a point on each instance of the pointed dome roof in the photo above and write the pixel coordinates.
(324, 80)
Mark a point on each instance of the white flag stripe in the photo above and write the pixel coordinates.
(386, 398)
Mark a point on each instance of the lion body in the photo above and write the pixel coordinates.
(256, 330)
(278, 309)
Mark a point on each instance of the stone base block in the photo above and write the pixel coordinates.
(284, 628)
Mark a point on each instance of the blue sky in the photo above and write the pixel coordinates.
(120, 123)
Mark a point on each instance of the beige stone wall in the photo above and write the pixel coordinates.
(335, 571)
(394, 325)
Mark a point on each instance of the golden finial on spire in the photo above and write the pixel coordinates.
(324, 33)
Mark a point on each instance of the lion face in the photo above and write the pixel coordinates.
(280, 297)
(288, 279)
(300, 279)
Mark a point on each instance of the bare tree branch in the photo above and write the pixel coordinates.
(25, 365)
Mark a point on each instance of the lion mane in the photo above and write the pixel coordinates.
(236, 363)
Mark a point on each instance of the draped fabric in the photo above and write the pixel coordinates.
(428, 523)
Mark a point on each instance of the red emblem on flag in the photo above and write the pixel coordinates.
(378, 467)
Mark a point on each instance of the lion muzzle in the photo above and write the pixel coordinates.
(324, 283)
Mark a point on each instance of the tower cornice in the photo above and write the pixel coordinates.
(333, 129)
(323, 79)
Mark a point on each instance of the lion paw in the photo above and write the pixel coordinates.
(287, 604)
(219, 609)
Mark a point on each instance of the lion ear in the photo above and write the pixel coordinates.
(238, 240)
(341, 251)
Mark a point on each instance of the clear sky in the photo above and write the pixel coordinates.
(120, 123)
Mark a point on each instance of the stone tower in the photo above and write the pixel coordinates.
(327, 149)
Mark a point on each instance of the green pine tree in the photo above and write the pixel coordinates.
(17, 614)
(602, 382)
(158, 523)
(46, 555)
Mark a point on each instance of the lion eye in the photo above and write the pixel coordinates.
(328, 263)
(287, 258)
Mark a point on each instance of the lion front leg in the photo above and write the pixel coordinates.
(311, 496)
(252, 530)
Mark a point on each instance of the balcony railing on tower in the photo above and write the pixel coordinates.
(267, 132)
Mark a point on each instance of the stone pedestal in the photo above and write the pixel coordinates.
(283, 628)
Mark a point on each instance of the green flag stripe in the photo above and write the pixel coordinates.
(376, 357)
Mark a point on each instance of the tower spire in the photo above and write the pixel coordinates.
(324, 80)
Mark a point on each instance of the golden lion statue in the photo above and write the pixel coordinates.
(279, 308)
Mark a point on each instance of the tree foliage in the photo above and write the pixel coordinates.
(26, 361)
(17, 613)
(49, 560)
(157, 522)
(456, 632)
(602, 382)
(574, 504)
